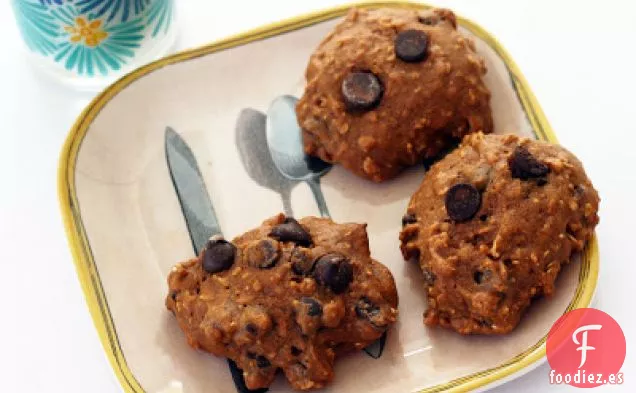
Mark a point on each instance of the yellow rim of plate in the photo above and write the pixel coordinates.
(83, 257)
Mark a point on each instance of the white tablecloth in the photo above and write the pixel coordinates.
(578, 56)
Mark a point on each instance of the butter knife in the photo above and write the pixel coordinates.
(197, 210)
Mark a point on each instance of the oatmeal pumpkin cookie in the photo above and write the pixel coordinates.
(491, 226)
(288, 295)
(388, 88)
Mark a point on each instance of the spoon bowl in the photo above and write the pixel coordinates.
(251, 143)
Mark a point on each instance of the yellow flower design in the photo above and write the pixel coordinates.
(91, 33)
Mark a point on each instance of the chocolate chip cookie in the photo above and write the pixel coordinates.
(288, 295)
(388, 88)
(491, 226)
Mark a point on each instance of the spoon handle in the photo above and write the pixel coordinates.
(314, 185)
(285, 196)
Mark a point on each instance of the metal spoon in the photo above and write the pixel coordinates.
(285, 142)
(251, 143)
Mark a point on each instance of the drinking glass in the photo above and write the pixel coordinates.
(90, 43)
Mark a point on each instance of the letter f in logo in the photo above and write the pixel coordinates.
(583, 344)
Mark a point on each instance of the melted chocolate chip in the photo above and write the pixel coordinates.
(314, 309)
(251, 329)
(524, 165)
(462, 202)
(334, 271)
(218, 256)
(262, 362)
(301, 262)
(579, 190)
(263, 255)
(408, 218)
(485, 323)
(291, 231)
(361, 91)
(481, 277)
(411, 45)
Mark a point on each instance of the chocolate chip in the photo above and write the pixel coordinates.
(408, 218)
(262, 362)
(365, 309)
(291, 231)
(173, 295)
(481, 277)
(462, 201)
(411, 45)
(270, 255)
(251, 328)
(218, 256)
(524, 165)
(485, 323)
(295, 351)
(334, 271)
(542, 181)
(579, 190)
(483, 217)
(301, 261)
(314, 308)
(361, 91)
(263, 255)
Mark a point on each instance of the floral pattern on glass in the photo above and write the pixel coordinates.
(91, 37)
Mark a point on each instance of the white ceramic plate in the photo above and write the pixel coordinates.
(126, 228)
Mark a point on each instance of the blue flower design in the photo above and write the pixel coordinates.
(91, 37)
(103, 49)
(160, 16)
(49, 2)
(112, 8)
(37, 26)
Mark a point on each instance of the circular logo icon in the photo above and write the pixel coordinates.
(586, 348)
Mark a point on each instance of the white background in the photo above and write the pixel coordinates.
(579, 57)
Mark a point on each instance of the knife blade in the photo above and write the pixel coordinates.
(193, 197)
(197, 210)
